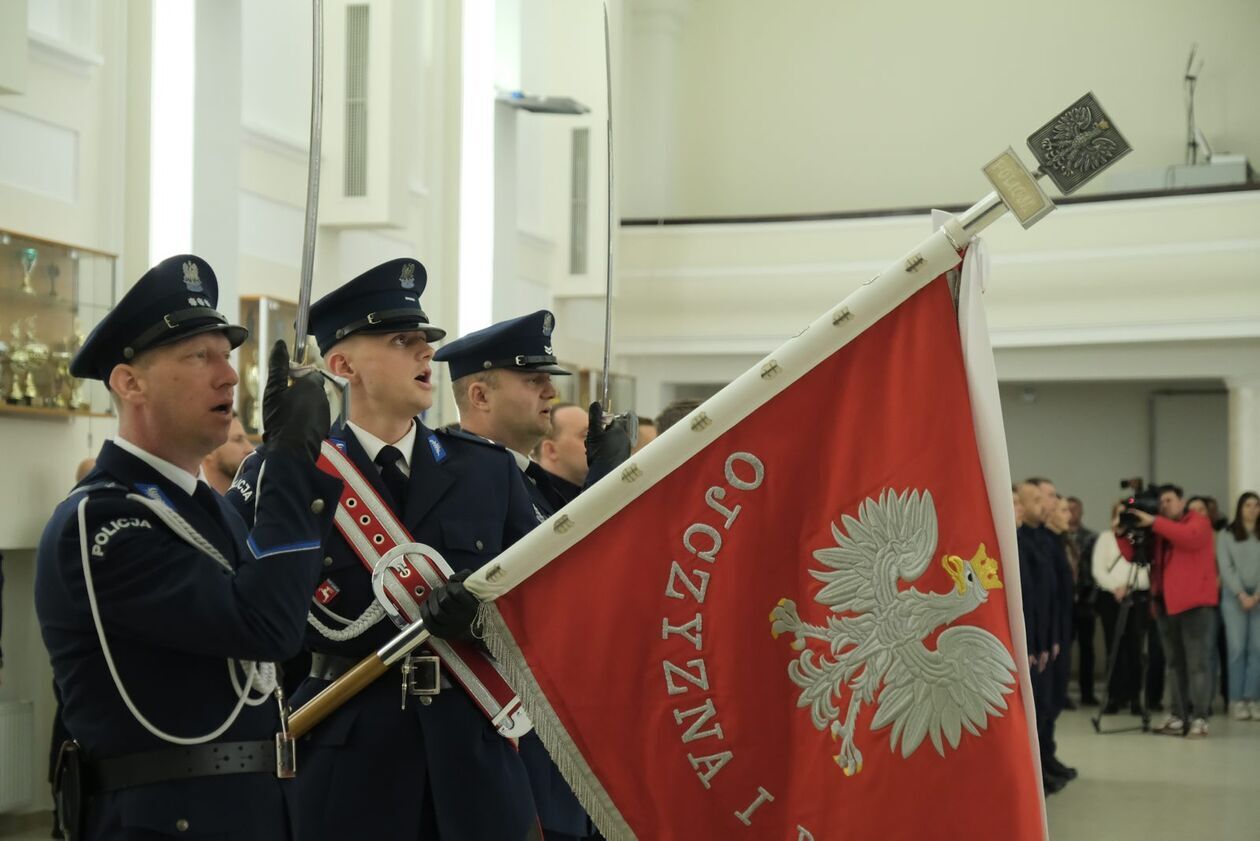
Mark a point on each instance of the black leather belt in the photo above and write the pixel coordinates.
(331, 666)
(159, 766)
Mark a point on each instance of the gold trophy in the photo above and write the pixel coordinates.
(77, 400)
(29, 257)
(17, 363)
(63, 383)
(38, 355)
(5, 364)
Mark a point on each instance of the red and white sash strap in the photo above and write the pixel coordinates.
(372, 529)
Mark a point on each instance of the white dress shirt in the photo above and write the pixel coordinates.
(373, 445)
(186, 481)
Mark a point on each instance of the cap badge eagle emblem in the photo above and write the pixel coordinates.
(192, 277)
(408, 277)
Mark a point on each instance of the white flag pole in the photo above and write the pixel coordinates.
(986, 418)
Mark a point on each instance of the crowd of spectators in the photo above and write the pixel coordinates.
(1164, 586)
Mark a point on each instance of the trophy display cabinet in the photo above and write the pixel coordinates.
(587, 385)
(51, 295)
(267, 319)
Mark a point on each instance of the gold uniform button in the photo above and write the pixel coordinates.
(317, 507)
(181, 825)
(328, 560)
(479, 545)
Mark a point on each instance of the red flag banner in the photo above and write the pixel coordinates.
(805, 629)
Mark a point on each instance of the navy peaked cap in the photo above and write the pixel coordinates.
(519, 344)
(385, 299)
(174, 300)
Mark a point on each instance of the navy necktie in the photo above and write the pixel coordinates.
(389, 460)
(206, 497)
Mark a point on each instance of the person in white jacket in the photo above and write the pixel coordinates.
(1117, 579)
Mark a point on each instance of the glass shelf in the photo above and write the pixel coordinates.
(51, 295)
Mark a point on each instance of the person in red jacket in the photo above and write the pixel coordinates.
(1185, 593)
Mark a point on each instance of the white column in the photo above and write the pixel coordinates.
(1244, 436)
(477, 165)
(507, 77)
(216, 144)
(654, 32)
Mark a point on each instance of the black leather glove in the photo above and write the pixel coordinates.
(449, 611)
(608, 446)
(295, 417)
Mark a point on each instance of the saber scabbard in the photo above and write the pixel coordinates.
(357, 679)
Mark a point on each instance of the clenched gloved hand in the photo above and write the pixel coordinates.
(295, 416)
(449, 611)
(608, 446)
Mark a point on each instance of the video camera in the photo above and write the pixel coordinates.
(1144, 498)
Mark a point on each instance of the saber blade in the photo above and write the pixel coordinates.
(312, 184)
(608, 276)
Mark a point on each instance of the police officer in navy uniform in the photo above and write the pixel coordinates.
(501, 377)
(388, 765)
(158, 607)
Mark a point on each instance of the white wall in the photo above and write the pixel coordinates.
(64, 170)
(1138, 271)
(792, 106)
(1087, 436)
(27, 674)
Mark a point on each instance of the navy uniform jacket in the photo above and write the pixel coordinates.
(172, 616)
(363, 771)
(1062, 602)
(1037, 586)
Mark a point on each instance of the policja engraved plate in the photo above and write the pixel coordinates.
(1077, 144)
(1018, 188)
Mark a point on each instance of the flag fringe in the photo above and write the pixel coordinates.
(564, 752)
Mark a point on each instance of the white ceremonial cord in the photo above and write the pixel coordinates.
(263, 679)
(253, 669)
(374, 613)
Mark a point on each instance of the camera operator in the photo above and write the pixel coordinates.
(1114, 576)
(1184, 594)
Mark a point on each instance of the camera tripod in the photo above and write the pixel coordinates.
(1117, 638)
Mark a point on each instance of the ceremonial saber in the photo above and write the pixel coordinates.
(608, 274)
(1072, 148)
(307, 276)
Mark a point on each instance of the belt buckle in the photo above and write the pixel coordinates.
(422, 678)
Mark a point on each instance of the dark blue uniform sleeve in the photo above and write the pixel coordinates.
(243, 492)
(154, 587)
(1027, 585)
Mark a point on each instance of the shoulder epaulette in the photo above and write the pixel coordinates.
(97, 486)
(459, 434)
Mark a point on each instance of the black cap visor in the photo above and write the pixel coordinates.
(236, 335)
(402, 325)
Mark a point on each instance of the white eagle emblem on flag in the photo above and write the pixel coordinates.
(874, 637)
